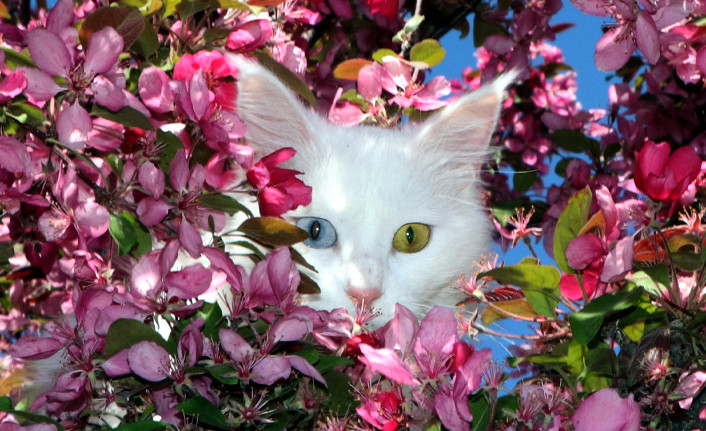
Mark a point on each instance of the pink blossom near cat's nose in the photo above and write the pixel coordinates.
(364, 296)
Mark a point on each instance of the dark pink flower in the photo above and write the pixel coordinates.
(570, 288)
(607, 411)
(385, 8)
(249, 36)
(278, 189)
(388, 363)
(662, 176)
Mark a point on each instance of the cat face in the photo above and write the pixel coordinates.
(395, 213)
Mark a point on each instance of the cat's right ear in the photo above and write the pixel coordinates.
(274, 117)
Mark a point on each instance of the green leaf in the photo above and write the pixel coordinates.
(428, 51)
(127, 232)
(205, 411)
(115, 163)
(522, 181)
(340, 400)
(329, 362)
(413, 23)
(224, 203)
(143, 426)
(519, 307)
(122, 232)
(576, 142)
(188, 8)
(480, 409)
(127, 116)
(539, 283)
(6, 406)
(482, 29)
(224, 373)
(571, 220)
(286, 76)
(26, 114)
(382, 53)
(16, 59)
(211, 320)
(148, 42)
(687, 261)
(586, 323)
(560, 168)
(272, 231)
(125, 333)
(170, 144)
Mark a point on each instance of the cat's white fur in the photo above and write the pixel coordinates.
(369, 181)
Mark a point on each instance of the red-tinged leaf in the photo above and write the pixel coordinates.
(504, 293)
(349, 69)
(272, 231)
(127, 21)
(558, 28)
(519, 307)
(265, 3)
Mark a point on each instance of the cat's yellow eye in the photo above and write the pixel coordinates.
(411, 237)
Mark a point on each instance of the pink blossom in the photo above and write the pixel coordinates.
(388, 363)
(385, 8)
(570, 288)
(690, 384)
(278, 189)
(423, 97)
(155, 90)
(663, 176)
(15, 157)
(249, 36)
(12, 85)
(607, 411)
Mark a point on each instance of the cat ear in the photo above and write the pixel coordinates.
(461, 132)
(274, 117)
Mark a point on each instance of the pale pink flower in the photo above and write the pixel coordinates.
(607, 411)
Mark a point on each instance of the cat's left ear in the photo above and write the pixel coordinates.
(461, 132)
(274, 117)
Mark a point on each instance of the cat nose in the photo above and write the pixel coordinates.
(364, 296)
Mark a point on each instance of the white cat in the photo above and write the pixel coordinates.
(395, 214)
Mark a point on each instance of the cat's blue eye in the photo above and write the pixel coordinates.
(321, 232)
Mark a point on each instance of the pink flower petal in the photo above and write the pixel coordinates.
(15, 157)
(607, 411)
(570, 288)
(199, 95)
(155, 91)
(234, 345)
(108, 93)
(48, 52)
(369, 83)
(291, 328)
(400, 332)
(189, 238)
(618, 261)
(12, 85)
(149, 361)
(40, 85)
(303, 366)
(152, 211)
(647, 37)
(179, 171)
(146, 275)
(249, 36)
(35, 348)
(188, 283)
(73, 125)
(61, 16)
(117, 365)
(438, 331)
(151, 178)
(92, 219)
(614, 49)
(584, 250)
(387, 363)
(103, 51)
(270, 369)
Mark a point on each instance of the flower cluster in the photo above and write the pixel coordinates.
(123, 156)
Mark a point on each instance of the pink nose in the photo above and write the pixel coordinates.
(364, 296)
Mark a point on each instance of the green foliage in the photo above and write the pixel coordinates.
(570, 222)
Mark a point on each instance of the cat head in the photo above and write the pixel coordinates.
(395, 214)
